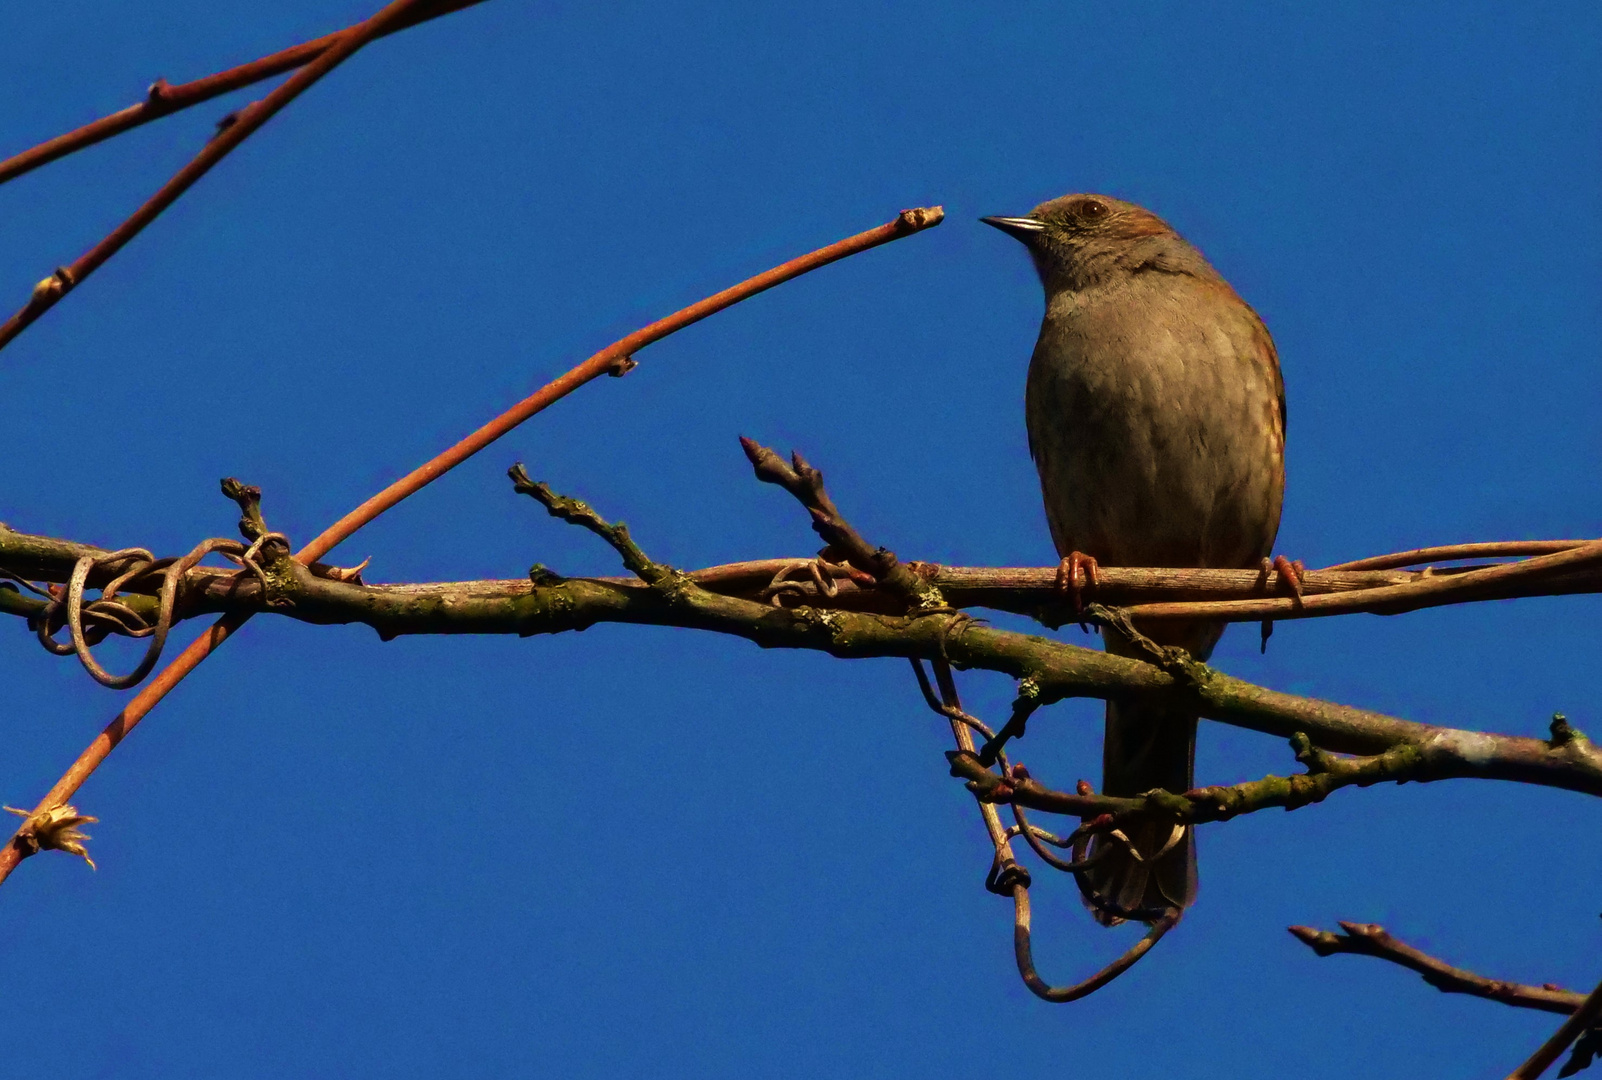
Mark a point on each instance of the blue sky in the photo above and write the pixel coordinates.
(638, 851)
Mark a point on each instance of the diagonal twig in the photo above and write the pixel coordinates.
(1371, 939)
(246, 121)
(804, 482)
(1583, 1020)
(164, 99)
(615, 358)
(1583, 1010)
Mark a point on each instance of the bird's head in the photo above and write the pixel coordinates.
(1080, 240)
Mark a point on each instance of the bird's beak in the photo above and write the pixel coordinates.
(1023, 229)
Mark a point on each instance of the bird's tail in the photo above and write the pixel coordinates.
(1152, 866)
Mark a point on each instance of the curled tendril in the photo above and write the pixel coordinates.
(110, 614)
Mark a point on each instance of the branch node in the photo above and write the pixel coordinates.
(1023, 707)
(1563, 734)
(252, 526)
(54, 287)
(1316, 761)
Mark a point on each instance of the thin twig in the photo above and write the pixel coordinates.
(246, 121)
(1426, 590)
(1449, 552)
(1024, 953)
(1008, 877)
(164, 99)
(615, 357)
(805, 483)
(1371, 939)
(1583, 1020)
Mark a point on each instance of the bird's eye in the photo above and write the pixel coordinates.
(1092, 209)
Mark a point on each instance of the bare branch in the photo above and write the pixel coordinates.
(804, 482)
(164, 99)
(1028, 591)
(1405, 750)
(1450, 552)
(1371, 939)
(615, 359)
(1325, 773)
(246, 121)
(1581, 1026)
(579, 513)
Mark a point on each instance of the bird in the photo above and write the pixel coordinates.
(1156, 418)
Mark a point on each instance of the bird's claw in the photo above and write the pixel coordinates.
(1076, 574)
(1290, 573)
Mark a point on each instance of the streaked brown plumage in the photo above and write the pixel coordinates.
(1156, 419)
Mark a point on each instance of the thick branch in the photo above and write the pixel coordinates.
(1061, 670)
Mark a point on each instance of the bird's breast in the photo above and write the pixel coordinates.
(1155, 417)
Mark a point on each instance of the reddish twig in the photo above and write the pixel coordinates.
(1448, 552)
(615, 358)
(164, 99)
(246, 121)
(1425, 590)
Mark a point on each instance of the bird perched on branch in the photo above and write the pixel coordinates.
(1156, 419)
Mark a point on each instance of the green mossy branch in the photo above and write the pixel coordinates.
(1054, 670)
(1326, 773)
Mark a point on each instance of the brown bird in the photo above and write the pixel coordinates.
(1156, 418)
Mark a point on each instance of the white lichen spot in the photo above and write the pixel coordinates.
(1470, 746)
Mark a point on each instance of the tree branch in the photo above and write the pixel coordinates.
(1406, 751)
(616, 359)
(1030, 591)
(1326, 773)
(1583, 1010)
(1371, 939)
(244, 123)
(164, 99)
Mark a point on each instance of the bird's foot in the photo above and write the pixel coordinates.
(1076, 574)
(1290, 573)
